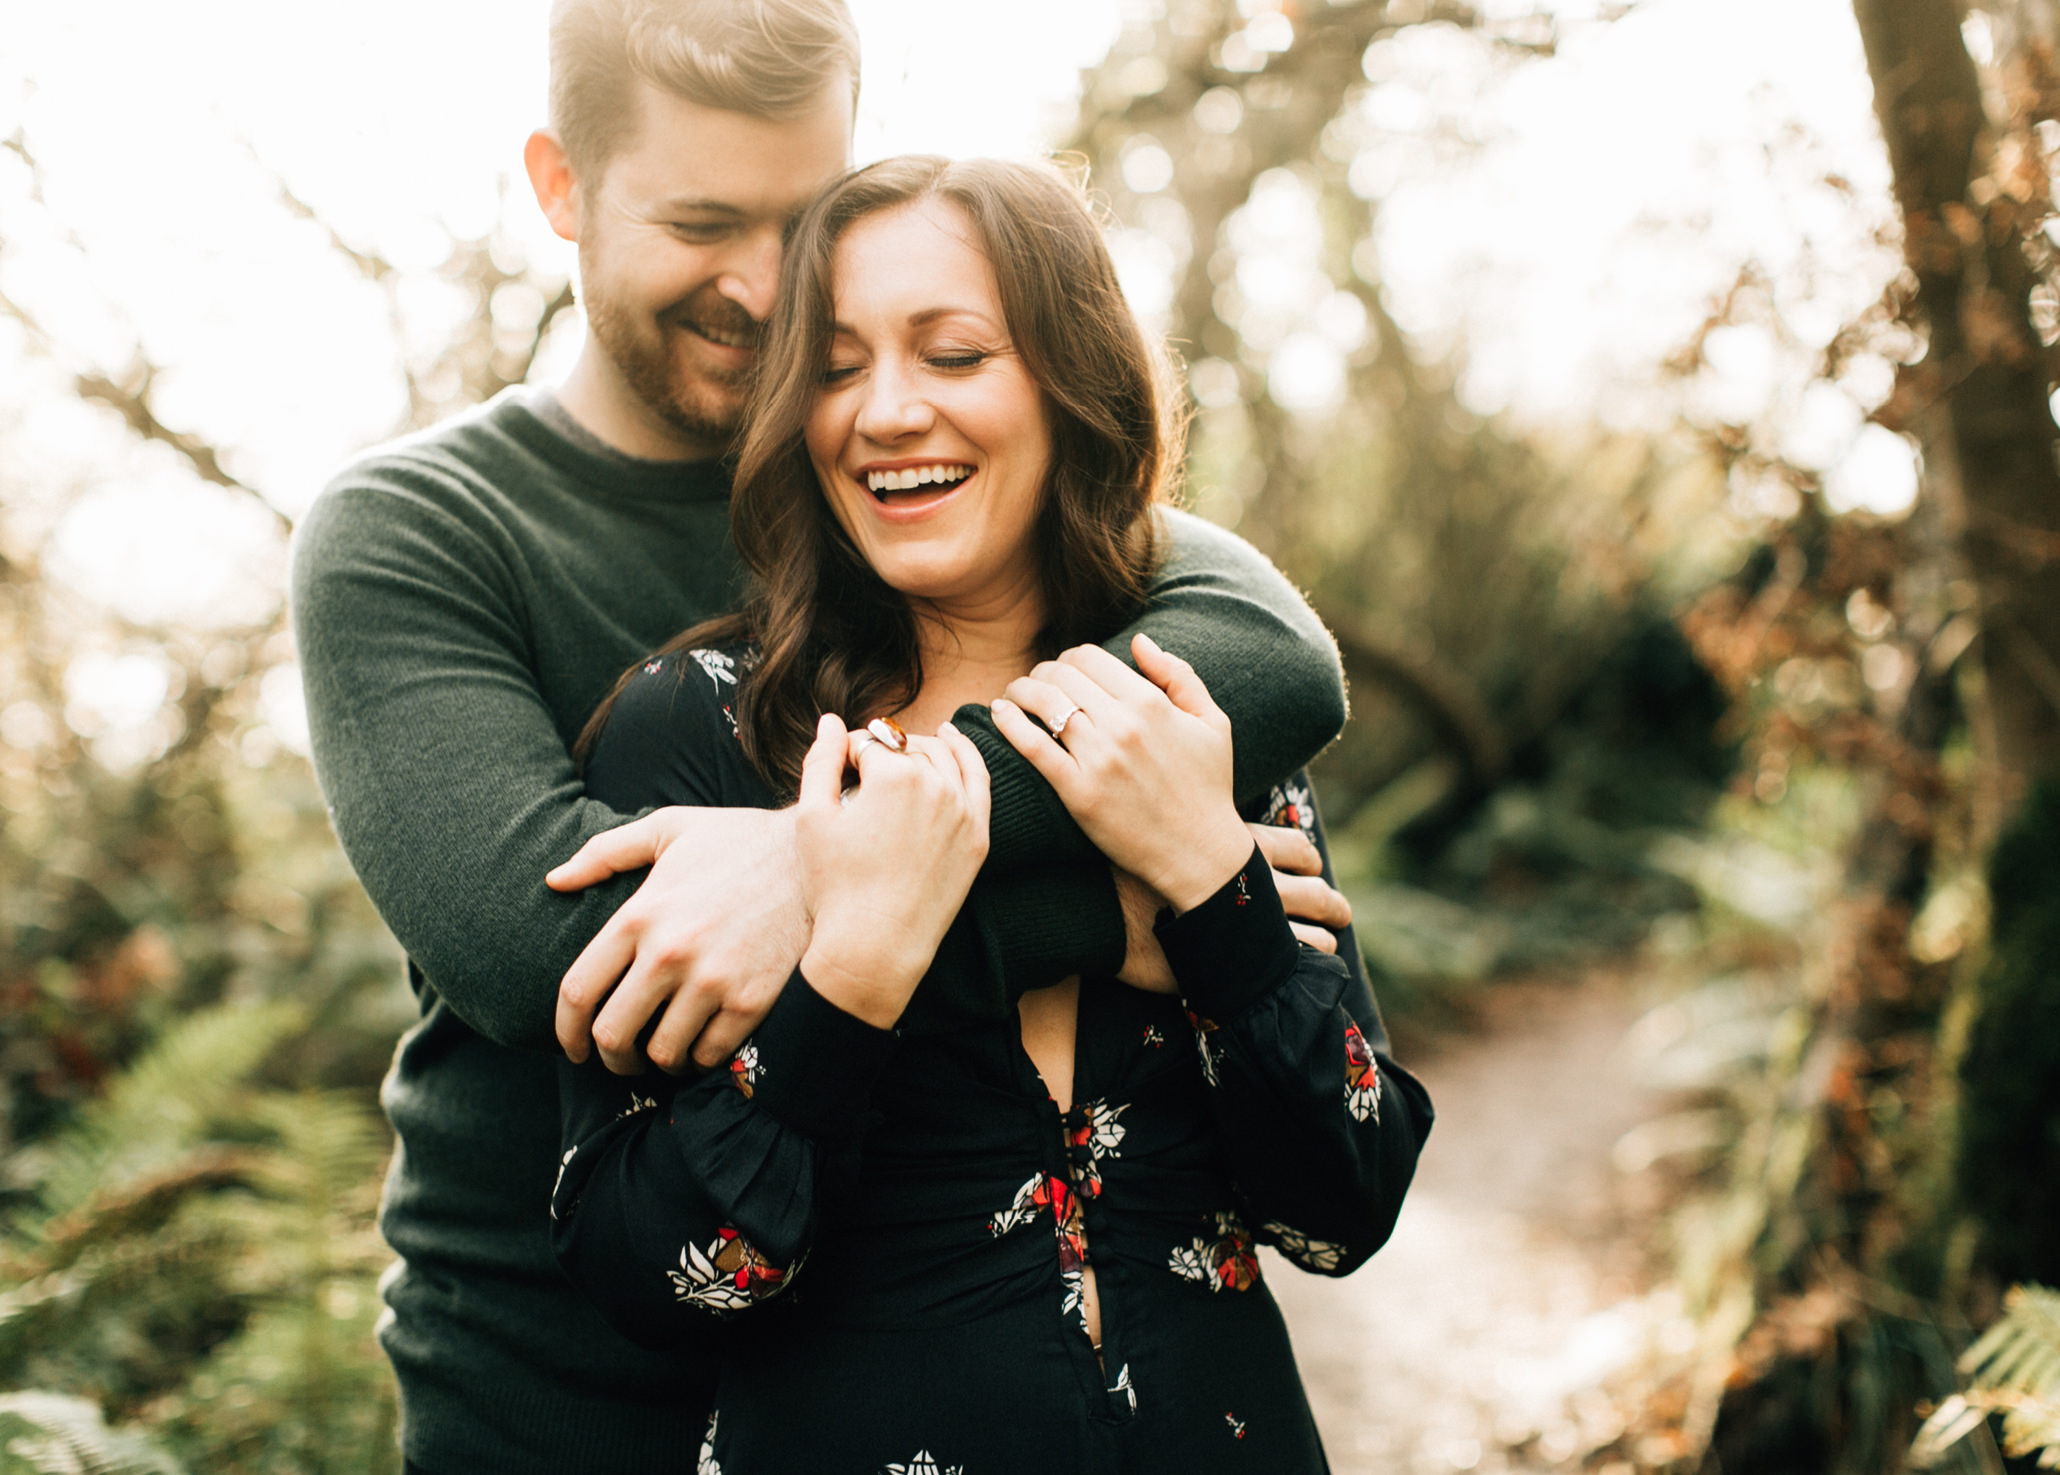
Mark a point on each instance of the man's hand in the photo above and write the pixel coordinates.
(1313, 906)
(709, 939)
(1144, 961)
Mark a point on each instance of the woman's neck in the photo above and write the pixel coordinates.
(970, 653)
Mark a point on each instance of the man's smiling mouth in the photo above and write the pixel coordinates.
(728, 337)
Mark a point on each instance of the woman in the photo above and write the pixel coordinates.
(1028, 1246)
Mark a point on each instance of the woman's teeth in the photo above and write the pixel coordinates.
(908, 478)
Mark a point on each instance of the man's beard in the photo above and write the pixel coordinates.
(703, 404)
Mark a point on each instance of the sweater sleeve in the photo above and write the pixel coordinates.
(1320, 1128)
(1268, 663)
(446, 775)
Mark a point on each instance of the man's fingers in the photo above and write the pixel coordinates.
(1286, 848)
(722, 1037)
(1311, 899)
(627, 847)
(672, 1043)
(587, 982)
(629, 1008)
(1315, 937)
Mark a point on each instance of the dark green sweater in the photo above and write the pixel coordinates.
(462, 600)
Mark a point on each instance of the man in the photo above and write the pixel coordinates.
(463, 600)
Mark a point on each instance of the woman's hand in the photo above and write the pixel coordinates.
(1141, 761)
(885, 867)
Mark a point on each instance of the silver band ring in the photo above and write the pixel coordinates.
(1060, 725)
(860, 743)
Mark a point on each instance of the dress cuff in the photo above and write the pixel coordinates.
(811, 1065)
(1235, 947)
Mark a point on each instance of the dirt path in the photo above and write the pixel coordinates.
(1517, 1290)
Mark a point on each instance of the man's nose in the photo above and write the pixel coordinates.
(752, 274)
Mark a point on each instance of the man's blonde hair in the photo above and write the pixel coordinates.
(769, 58)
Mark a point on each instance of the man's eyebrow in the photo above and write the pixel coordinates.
(687, 205)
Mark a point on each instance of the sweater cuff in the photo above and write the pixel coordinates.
(811, 1065)
(1052, 923)
(1235, 947)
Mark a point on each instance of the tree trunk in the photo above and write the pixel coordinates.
(1964, 238)
(1969, 211)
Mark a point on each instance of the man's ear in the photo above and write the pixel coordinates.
(550, 175)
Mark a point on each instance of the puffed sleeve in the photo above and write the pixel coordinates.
(682, 1200)
(1320, 1127)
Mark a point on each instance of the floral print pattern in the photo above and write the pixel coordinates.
(1320, 1255)
(730, 1275)
(1362, 1078)
(1210, 1052)
(744, 1069)
(924, 1463)
(720, 667)
(1290, 804)
(1222, 1260)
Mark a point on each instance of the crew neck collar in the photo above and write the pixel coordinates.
(539, 417)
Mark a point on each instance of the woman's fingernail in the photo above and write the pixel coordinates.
(1002, 704)
(946, 727)
(1148, 640)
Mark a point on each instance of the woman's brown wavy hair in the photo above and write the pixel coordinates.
(832, 636)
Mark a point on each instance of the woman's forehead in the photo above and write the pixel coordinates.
(911, 264)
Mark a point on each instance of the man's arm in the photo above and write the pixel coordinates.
(445, 772)
(1271, 667)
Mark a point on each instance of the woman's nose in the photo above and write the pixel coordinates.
(894, 407)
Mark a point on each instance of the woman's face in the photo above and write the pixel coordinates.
(929, 436)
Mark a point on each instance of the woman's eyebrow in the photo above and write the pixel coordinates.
(924, 318)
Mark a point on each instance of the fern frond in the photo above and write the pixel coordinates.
(50, 1434)
(162, 1105)
(2012, 1370)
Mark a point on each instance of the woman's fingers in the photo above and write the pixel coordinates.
(1054, 704)
(1175, 677)
(822, 770)
(1117, 679)
(972, 770)
(1059, 768)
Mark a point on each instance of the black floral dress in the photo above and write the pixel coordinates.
(905, 1215)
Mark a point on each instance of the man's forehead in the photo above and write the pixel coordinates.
(686, 156)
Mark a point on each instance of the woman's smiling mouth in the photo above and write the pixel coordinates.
(916, 486)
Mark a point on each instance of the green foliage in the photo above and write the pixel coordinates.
(49, 1434)
(197, 1249)
(2014, 1371)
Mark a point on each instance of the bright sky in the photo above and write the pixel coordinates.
(1617, 188)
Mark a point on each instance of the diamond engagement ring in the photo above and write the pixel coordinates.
(1060, 725)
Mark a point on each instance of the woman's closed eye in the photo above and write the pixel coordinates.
(962, 358)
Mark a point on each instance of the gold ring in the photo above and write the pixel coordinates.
(888, 734)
